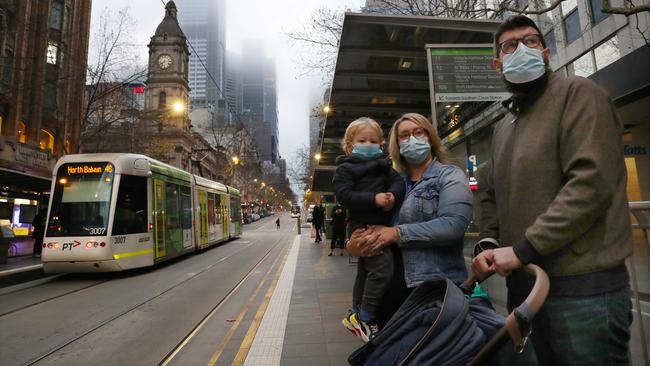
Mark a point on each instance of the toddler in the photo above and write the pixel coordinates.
(371, 190)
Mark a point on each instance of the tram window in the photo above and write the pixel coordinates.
(217, 208)
(211, 217)
(131, 206)
(186, 206)
(81, 201)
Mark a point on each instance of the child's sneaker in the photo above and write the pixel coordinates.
(367, 330)
(349, 326)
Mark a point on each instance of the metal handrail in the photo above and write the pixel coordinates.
(638, 210)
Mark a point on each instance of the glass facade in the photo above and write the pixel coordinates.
(572, 29)
(597, 14)
(607, 53)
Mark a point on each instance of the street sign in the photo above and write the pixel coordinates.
(464, 73)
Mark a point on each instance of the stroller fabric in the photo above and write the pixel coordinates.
(437, 325)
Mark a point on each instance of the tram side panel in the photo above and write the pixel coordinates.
(172, 217)
(235, 216)
(131, 241)
(210, 227)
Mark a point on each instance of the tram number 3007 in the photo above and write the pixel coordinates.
(96, 230)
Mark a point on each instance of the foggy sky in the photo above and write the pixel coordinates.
(252, 19)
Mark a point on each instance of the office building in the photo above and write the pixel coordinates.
(204, 25)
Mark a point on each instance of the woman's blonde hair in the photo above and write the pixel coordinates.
(437, 149)
(355, 127)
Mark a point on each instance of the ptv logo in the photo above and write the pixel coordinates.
(69, 246)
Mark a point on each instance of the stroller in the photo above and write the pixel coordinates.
(442, 324)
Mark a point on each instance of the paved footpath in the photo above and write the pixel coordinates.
(312, 296)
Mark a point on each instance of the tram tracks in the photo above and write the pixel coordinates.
(53, 350)
(25, 307)
(186, 339)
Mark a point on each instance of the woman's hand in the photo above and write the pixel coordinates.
(361, 242)
(386, 235)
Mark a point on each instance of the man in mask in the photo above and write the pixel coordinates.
(555, 196)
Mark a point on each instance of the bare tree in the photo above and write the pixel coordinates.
(112, 63)
(319, 38)
(320, 35)
(491, 8)
(301, 169)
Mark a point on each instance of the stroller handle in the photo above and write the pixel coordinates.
(512, 329)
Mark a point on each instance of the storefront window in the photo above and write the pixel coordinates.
(47, 141)
(22, 132)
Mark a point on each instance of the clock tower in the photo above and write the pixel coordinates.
(167, 92)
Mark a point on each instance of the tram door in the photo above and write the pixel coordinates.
(159, 217)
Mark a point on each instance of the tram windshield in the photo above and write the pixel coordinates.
(81, 200)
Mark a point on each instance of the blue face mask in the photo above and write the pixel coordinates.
(366, 151)
(415, 150)
(524, 65)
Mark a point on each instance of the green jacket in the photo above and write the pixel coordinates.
(557, 182)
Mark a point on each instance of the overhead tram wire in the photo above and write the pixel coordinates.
(237, 116)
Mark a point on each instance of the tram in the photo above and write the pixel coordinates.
(112, 212)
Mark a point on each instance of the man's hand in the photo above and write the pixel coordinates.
(483, 264)
(505, 260)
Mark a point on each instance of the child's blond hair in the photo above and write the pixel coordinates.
(357, 125)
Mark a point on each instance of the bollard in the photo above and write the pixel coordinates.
(298, 225)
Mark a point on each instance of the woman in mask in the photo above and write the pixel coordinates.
(431, 223)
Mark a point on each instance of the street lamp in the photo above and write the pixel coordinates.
(326, 109)
(317, 156)
(235, 160)
(178, 107)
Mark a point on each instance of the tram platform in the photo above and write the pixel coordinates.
(320, 297)
(20, 268)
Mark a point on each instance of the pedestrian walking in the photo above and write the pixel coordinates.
(338, 228)
(277, 223)
(39, 231)
(555, 195)
(316, 221)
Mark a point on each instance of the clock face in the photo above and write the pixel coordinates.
(165, 61)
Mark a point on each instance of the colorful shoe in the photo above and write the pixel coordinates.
(349, 326)
(367, 330)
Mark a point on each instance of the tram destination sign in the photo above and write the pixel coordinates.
(464, 73)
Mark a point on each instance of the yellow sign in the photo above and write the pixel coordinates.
(21, 231)
(88, 169)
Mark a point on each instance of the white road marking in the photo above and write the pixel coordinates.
(266, 349)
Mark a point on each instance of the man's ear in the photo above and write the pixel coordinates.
(498, 65)
(546, 55)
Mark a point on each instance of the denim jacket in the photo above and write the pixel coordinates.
(432, 223)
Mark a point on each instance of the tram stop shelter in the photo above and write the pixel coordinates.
(382, 72)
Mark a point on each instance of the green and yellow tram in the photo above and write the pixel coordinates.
(111, 212)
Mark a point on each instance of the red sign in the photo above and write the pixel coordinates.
(138, 89)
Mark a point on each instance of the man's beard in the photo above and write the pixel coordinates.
(531, 88)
